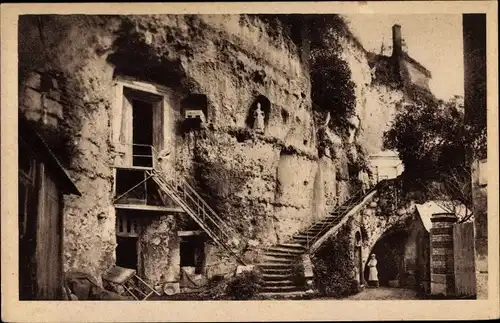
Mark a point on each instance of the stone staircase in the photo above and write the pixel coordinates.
(278, 261)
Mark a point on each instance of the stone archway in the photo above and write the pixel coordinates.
(389, 250)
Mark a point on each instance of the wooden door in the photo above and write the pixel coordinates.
(158, 123)
(126, 129)
(49, 276)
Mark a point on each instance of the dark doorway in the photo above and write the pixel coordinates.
(389, 251)
(192, 250)
(126, 252)
(142, 134)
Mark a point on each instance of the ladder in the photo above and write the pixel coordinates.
(193, 204)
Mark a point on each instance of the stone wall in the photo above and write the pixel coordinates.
(266, 185)
(159, 248)
(230, 59)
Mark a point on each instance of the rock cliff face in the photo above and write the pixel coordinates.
(266, 185)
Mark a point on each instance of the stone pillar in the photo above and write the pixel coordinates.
(441, 262)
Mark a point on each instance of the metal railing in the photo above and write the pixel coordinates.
(142, 155)
(189, 200)
(339, 213)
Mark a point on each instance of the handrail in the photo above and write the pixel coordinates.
(206, 205)
(192, 203)
(179, 180)
(196, 199)
(214, 222)
(182, 202)
(350, 203)
(131, 189)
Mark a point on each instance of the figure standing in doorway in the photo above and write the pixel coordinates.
(258, 115)
(373, 273)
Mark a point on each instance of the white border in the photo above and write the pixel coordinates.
(13, 310)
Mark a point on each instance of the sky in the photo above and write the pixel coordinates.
(433, 40)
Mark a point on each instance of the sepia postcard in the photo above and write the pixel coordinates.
(260, 161)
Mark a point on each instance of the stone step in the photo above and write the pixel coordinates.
(291, 246)
(280, 289)
(294, 252)
(276, 277)
(276, 271)
(301, 237)
(313, 232)
(275, 259)
(279, 283)
(321, 224)
(282, 254)
(283, 295)
(274, 265)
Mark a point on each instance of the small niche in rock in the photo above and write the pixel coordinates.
(305, 142)
(305, 183)
(259, 77)
(358, 237)
(258, 114)
(194, 109)
(285, 115)
(241, 134)
(297, 119)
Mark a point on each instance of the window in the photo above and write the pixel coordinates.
(126, 226)
(138, 123)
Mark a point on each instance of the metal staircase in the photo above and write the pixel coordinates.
(193, 204)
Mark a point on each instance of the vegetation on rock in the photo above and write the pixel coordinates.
(334, 266)
(432, 140)
(245, 285)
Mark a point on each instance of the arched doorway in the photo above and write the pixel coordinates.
(389, 251)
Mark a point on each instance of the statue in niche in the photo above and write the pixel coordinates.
(325, 138)
(258, 123)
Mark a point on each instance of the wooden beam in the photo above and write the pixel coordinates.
(190, 233)
(156, 208)
(133, 168)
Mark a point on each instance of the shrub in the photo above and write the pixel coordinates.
(334, 266)
(298, 277)
(245, 285)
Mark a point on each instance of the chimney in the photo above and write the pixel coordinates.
(396, 40)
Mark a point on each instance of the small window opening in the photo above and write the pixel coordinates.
(285, 115)
(195, 110)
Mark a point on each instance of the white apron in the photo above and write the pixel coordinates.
(373, 273)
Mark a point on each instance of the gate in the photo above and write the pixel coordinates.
(463, 254)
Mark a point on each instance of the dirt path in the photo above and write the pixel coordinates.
(384, 293)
